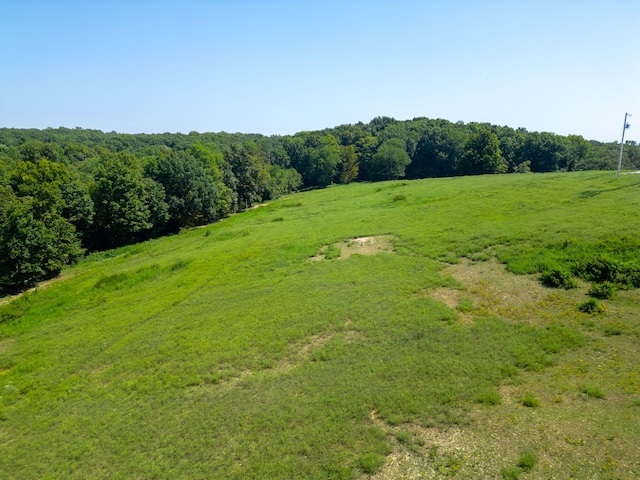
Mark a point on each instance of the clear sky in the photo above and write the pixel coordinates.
(282, 66)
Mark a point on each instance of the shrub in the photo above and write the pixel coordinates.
(612, 329)
(527, 461)
(603, 291)
(510, 473)
(399, 198)
(591, 306)
(557, 278)
(598, 269)
(530, 401)
(592, 391)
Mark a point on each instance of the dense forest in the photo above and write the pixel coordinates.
(65, 192)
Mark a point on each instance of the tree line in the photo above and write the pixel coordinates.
(64, 192)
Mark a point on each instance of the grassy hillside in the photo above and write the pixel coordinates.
(395, 329)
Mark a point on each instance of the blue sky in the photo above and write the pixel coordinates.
(279, 67)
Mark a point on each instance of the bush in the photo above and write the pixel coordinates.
(592, 391)
(598, 269)
(557, 278)
(527, 461)
(591, 306)
(613, 329)
(530, 401)
(603, 291)
(602, 269)
(510, 473)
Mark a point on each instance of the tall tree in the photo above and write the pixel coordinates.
(436, 153)
(189, 192)
(128, 206)
(220, 174)
(246, 172)
(349, 164)
(34, 244)
(389, 162)
(42, 180)
(546, 151)
(482, 155)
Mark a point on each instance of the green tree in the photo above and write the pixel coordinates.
(42, 180)
(245, 166)
(437, 152)
(189, 192)
(579, 152)
(322, 160)
(33, 150)
(220, 174)
(128, 206)
(546, 151)
(281, 181)
(349, 165)
(366, 147)
(482, 155)
(33, 246)
(389, 162)
(77, 205)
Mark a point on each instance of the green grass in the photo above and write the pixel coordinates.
(224, 352)
(592, 391)
(529, 400)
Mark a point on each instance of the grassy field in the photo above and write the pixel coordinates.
(386, 330)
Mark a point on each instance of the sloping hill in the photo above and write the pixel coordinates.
(257, 348)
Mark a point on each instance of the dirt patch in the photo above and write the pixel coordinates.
(449, 296)
(356, 246)
(487, 288)
(421, 452)
(303, 352)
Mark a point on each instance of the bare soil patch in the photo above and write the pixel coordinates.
(492, 290)
(357, 246)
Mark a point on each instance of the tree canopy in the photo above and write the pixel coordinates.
(65, 191)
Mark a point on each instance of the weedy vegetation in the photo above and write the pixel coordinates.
(279, 343)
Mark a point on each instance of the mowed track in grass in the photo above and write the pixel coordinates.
(231, 352)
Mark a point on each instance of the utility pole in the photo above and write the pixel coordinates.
(624, 127)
